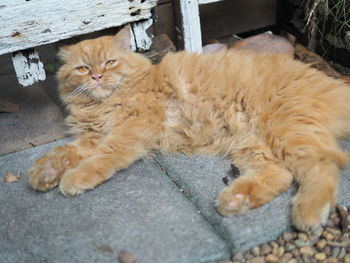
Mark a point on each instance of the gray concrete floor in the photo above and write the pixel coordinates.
(40, 116)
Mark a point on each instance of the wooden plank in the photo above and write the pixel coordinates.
(191, 27)
(164, 21)
(203, 2)
(29, 69)
(142, 39)
(27, 24)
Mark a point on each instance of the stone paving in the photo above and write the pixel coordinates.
(159, 210)
(140, 211)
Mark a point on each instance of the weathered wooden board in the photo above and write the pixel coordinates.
(203, 2)
(30, 23)
(29, 69)
(143, 40)
(191, 26)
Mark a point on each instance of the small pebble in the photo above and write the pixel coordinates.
(329, 236)
(347, 258)
(258, 260)
(289, 247)
(302, 237)
(280, 241)
(274, 244)
(288, 236)
(265, 249)
(286, 257)
(320, 256)
(342, 253)
(306, 258)
(335, 251)
(321, 244)
(306, 250)
(256, 251)
(333, 231)
(292, 261)
(300, 243)
(271, 258)
(280, 251)
(332, 260)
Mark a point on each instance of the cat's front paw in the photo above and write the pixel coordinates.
(232, 204)
(240, 196)
(77, 181)
(43, 176)
(309, 215)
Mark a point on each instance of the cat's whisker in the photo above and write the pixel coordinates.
(77, 92)
(60, 108)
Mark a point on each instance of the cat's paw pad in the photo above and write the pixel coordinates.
(42, 176)
(310, 218)
(231, 204)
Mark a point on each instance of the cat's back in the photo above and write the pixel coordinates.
(227, 72)
(263, 85)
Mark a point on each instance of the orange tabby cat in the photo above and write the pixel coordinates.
(277, 119)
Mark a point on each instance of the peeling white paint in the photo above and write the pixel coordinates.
(191, 25)
(51, 21)
(142, 40)
(203, 2)
(29, 69)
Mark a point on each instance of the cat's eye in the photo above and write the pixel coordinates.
(82, 69)
(110, 63)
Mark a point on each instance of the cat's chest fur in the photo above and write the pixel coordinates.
(92, 118)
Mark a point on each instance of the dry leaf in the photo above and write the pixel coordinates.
(11, 178)
(225, 180)
(126, 257)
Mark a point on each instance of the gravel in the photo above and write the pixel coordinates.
(330, 244)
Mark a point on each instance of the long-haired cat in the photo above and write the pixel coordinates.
(276, 118)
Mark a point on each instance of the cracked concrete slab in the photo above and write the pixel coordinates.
(201, 178)
(139, 210)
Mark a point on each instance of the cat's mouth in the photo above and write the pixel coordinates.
(99, 92)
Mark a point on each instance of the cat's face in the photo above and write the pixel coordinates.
(94, 68)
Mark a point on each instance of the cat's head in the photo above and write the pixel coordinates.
(94, 68)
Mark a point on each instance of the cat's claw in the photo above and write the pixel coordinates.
(232, 204)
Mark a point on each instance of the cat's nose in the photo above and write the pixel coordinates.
(97, 77)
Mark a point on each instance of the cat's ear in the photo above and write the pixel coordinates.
(123, 38)
(63, 52)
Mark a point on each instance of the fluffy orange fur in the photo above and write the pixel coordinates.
(276, 118)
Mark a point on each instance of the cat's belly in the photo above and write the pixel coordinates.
(203, 129)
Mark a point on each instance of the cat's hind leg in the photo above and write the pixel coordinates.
(314, 159)
(261, 180)
(47, 171)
